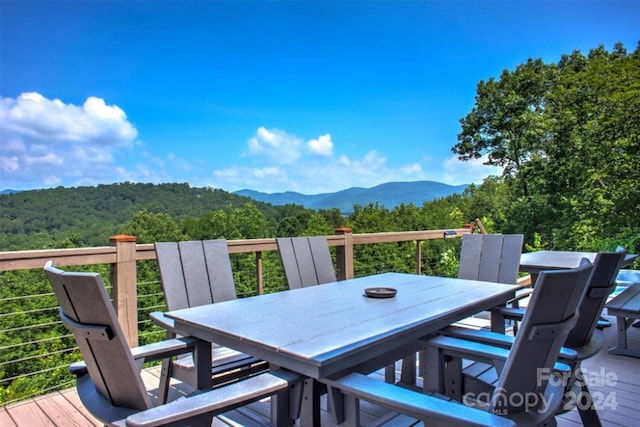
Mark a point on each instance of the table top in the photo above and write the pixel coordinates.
(534, 262)
(320, 330)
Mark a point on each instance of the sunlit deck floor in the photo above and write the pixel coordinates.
(614, 381)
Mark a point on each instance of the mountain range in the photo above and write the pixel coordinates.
(389, 195)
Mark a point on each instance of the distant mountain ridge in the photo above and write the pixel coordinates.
(389, 195)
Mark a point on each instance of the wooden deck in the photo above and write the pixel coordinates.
(614, 383)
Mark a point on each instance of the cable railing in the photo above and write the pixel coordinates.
(36, 350)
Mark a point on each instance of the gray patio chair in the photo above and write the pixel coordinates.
(523, 371)
(486, 257)
(306, 261)
(490, 257)
(584, 338)
(108, 380)
(196, 273)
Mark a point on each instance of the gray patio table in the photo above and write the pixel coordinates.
(535, 262)
(322, 330)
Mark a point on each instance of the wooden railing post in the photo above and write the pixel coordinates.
(259, 273)
(344, 255)
(480, 226)
(124, 287)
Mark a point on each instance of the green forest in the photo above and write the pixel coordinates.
(566, 134)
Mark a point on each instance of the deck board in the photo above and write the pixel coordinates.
(620, 384)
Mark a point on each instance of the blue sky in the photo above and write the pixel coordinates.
(273, 96)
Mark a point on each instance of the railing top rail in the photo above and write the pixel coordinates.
(21, 260)
(404, 236)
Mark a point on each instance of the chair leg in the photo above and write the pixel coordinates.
(165, 380)
(589, 416)
(408, 371)
(390, 374)
(282, 414)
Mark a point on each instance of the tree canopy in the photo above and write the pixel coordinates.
(567, 136)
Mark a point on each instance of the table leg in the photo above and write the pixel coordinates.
(497, 322)
(310, 408)
(622, 332)
(285, 406)
(344, 409)
(534, 277)
(202, 361)
(432, 375)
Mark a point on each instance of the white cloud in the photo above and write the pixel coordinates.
(48, 159)
(314, 175)
(314, 171)
(52, 181)
(322, 146)
(238, 178)
(275, 145)
(414, 168)
(458, 172)
(35, 118)
(344, 160)
(8, 164)
(48, 142)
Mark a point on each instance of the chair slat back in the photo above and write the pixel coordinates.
(601, 283)
(490, 257)
(86, 310)
(306, 261)
(195, 272)
(551, 314)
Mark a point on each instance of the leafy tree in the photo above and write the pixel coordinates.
(153, 227)
(96, 213)
(507, 125)
(333, 217)
(593, 159)
(290, 226)
(318, 226)
(249, 222)
(292, 220)
(568, 137)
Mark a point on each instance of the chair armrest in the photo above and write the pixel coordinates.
(165, 349)
(588, 350)
(512, 313)
(158, 318)
(216, 401)
(524, 293)
(487, 337)
(428, 408)
(149, 352)
(567, 355)
(78, 369)
(467, 349)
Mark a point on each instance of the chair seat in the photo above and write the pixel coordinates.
(228, 365)
(109, 382)
(195, 273)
